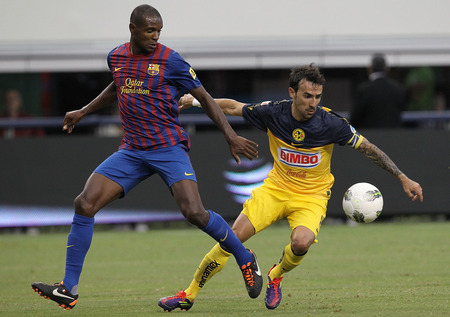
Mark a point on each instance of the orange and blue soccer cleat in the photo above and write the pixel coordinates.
(179, 300)
(56, 292)
(252, 277)
(273, 292)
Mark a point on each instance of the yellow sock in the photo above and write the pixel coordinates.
(287, 263)
(212, 263)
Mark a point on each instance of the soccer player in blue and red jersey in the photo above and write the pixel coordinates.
(147, 77)
(301, 138)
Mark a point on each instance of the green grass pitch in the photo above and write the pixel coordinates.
(377, 269)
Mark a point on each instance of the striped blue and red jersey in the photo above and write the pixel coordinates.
(147, 86)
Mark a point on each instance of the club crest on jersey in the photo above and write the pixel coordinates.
(153, 69)
(298, 135)
(298, 159)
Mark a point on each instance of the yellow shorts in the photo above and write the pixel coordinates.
(269, 203)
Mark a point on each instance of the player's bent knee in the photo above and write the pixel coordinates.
(83, 207)
(300, 246)
(198, 218)
(242, 234)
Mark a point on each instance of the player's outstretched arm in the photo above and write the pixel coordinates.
(229, 107)
(105, 98)
(371, 151)
(238, 145)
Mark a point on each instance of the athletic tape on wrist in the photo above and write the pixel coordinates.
(195, 103)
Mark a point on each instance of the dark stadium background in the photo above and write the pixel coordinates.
(57, 59)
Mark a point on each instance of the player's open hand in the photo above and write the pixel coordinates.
(71, 119)
(185, 102)
(242, 146)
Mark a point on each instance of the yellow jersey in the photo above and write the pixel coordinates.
(301, 151)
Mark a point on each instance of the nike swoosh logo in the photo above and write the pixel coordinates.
(69, 246)
(258, 271)
(226, 235)
(56, 293)
(188, 174)
(117, 68)
(296, 144)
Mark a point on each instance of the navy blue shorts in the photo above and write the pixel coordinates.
(130, 167)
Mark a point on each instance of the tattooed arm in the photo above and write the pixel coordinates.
(372, 152)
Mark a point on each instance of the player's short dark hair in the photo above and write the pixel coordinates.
(310, 73)
(378, 63)
(142, 11)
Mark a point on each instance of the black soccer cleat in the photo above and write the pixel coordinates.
(252, 277)
(56, 292)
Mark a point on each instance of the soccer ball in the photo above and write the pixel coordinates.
(362, 202)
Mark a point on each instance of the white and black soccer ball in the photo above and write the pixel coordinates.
(362, 202)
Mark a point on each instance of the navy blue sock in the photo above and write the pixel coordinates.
(220, 231)
(78, 244)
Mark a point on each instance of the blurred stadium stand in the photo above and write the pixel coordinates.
(248, 60)
(41, 176)
(421, 118)
(244, 53)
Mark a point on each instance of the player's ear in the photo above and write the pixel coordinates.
(291, 92)
(131, 27)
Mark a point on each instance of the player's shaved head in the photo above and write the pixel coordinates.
(140, 13)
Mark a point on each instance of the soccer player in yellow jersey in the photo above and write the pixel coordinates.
(301, 138)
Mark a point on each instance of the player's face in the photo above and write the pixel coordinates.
(145, 36)
(305, 100)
